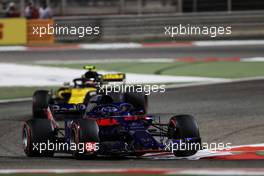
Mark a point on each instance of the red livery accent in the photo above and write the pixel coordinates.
(107, 122)
(51, 118)
(132, 118)
(1, 31)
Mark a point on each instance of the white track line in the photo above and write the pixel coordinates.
(13, 48)
(253, 59)
(180, 171)
(109, 46)
(15, 100)
(229, 43)
(218, 172)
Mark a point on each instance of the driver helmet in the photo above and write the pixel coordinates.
(91, 74)
(91, 77)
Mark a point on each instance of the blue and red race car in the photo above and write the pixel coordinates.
(104, 127)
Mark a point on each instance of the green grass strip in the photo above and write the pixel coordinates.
(200, 69)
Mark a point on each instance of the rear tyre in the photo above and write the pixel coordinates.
(41, 99)
(138, 100)
(84, 131)
(182, 127)
(37, 132)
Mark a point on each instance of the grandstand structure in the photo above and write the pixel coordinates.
(122, 7)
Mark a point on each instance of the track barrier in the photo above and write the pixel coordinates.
(13, 31)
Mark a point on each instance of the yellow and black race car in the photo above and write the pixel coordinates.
(83, 89)
(86, 86)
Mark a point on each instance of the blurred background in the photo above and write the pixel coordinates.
(143, 20)
(118, 7)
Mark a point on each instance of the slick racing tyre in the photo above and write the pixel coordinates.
(138, 100)
(84, 131)
(182, 127)
(37, 133)
(41, 99)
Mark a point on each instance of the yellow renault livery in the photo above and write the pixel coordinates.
(80, 92)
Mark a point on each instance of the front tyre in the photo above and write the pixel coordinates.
(36, 133)
(84, 131)
(185, 128)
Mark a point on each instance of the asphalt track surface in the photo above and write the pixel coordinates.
(170, 52)
(231, 112)
(228, 113)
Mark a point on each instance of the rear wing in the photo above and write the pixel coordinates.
(114, 77)
(110, 77)
(67, 108)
